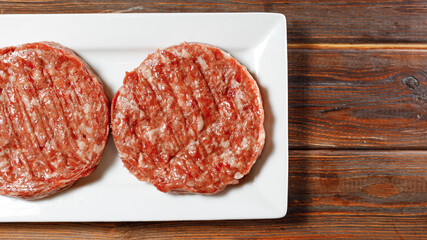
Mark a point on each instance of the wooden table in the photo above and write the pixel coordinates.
(357, 123)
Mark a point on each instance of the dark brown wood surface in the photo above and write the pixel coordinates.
(357, 123)
(358, 98)
(329, 21)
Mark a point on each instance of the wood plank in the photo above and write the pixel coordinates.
(360, 46)
(358, 181)
(331, 21)
(341, 96)
(332, 194)
(357, 98)
(295, 226)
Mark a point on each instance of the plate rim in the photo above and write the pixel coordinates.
(281, 20)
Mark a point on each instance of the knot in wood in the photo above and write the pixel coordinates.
(410, 82)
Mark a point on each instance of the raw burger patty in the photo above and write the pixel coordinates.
(188, 119)
(53, 119)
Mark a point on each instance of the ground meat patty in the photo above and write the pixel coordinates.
(54, 119)
(188, 119)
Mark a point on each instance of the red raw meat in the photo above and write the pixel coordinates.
(54, 119)
(189, 119)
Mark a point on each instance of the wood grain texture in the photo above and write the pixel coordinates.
(358, 99)
(322, 225)
(357, 123)
(358, 181)
(331, 21)
(359, 46)
(333, 194)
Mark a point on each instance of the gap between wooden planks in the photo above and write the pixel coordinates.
(414, 46)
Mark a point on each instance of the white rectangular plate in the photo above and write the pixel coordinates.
(115, 43)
